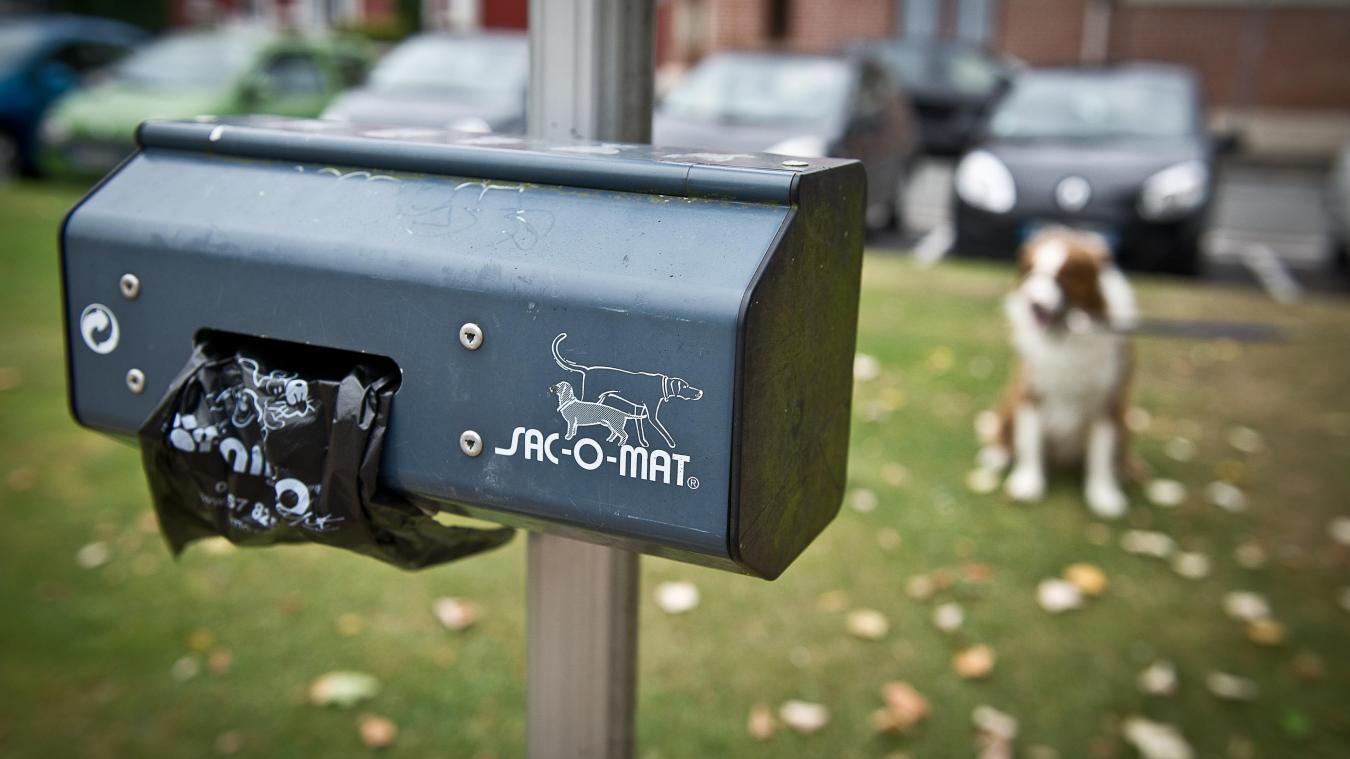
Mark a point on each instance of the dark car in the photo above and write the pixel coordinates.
(806, 106)
(42, 58)
(472, 83)
(1338, 209)
(953, 85)
(1121, 150)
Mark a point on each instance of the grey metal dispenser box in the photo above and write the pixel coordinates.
(634, 346)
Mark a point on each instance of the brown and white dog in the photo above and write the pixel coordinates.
(1068, 396)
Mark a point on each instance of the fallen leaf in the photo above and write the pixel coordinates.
(1231, 687)
(920, 587)
(345, 689)
(219, 661)
(904, 708)
(21, 480)
(974, 663)
(93, 555)
(1250, 555)
(677, 597)
(10, 378)
(869, 624)
(1180, 449)
(377, 731)
(1192, 566)
(1165, 493)
(1138, 420)
(989, 720)
(1245, 605)
(940, 359)
(888, 539)
(863, 501)
(832, 600)
(1339, 530)
(1226, 496)
(1147, 543)
(229, 743)
(185, 668)
(1056, 596)
(350, 625)
(1155, 740)
(894, 474)
(1265, 631)
(865, 367)
(949, 617)
(761, 724)
(1245, 439)
(1158, 679)
(455, 614)
(982, 481)
(200, 640)
(1087, 577)
(977, 571)
(1307, 666)
(804, 716)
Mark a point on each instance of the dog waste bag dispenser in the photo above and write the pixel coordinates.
(623, 344)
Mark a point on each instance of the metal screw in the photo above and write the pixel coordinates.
(471, 336)
(470, 444)
(130, 286)
(796, 164)
(136, 381)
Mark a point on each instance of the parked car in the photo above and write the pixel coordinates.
(228, 71)
(473, 83)
(1121, 150)
(42, 58)
(1338, 209)
(799, 105)
(953, 84)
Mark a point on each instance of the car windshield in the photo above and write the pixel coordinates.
(17, 42)
(1076, 106)
(189, 61)
(461, 66)
(951, 68)
(764, 90)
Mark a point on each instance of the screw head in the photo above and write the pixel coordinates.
(136, 381)
(796, 164)
(130, 285)
(470, 443)
(471, 336)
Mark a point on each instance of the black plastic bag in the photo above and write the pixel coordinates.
(264, 443)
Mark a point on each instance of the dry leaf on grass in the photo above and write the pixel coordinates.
(888, 539)
(186, 668)
(1165, 493)
(455, 614)
(1155, 740)
(832, 600)
(1056, 596)
(677, 597)
(1158, 679)
(377, 731)
(1339, 530)
(865, 367)
(996, 732)
(1192, 566)
(1231, 687)
(1245, 439)
(1138, 420)
(1226, 496)
(974, 663)
(1245, 605)
(863, 501)
(894, 474)
(93, 555)
(868, 624)
(904, 707)
(920, 587)
(229, 743)
(1180, 449)
(1250, 555)
(1147, 543)
(219, 661)
(1087, 577)
(1343, 598)
(949, 617)
(345, 689)
(21, 480)
(10, 378)
(200, 639)
(761, 724)
(350, 625)
(1266, 632)
(803, 716)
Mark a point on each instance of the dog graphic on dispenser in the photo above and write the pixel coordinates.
(578, 413)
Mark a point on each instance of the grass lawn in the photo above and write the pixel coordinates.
(99, 662)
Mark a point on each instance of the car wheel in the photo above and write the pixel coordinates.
(1186, 261)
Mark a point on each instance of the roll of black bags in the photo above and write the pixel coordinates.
(263, 442)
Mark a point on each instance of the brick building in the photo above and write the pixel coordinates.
(1279, 69)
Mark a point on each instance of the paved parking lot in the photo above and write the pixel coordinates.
(1268, 228)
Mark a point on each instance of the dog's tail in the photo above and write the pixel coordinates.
(570, 366)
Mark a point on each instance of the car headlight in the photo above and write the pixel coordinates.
(54, 131)
(985, 183)
(1174, 191)
(805, 146)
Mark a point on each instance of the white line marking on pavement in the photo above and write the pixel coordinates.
(934, 245)
(1271, 273)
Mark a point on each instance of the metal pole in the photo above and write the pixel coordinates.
(591, 73)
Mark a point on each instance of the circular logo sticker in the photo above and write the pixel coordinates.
(1073, 193)
(99, 329)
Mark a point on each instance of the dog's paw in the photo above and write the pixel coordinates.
(1105, 499)
(1025, 485)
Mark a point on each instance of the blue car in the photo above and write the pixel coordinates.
(42, 58)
